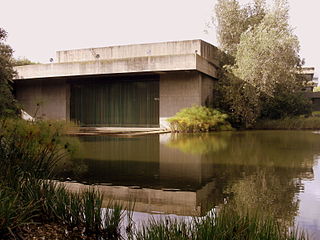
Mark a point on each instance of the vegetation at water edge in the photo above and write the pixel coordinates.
(29, 152)
(226, 224)
(199, 119)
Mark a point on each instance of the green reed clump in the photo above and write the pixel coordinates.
(290, 123)
(199, 119)
(227, 224)
(29, 152)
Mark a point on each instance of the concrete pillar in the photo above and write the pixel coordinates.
(183, 89)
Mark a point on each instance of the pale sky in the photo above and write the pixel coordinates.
(38, 28)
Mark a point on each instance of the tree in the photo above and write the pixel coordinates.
(233, 20)
(8, 105)
(265, 57)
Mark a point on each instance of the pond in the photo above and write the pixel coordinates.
(275, 172)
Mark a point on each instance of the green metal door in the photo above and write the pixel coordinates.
(116, 102)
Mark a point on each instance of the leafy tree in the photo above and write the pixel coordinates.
(230, 24)
(8, 105)
(284, 105)
(233, 20)
(265, 57)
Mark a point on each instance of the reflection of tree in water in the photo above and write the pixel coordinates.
(267, 192)
(253, 170)
(263, 170)
(257, 170)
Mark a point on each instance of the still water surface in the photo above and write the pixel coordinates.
(277, 172)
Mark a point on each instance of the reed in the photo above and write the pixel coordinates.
(292, 123)
(29, 151)
(227, 224)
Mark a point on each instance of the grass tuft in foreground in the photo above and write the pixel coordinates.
(29, 151)
(227, 224)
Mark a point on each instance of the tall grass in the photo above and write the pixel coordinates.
(290, 123)
(225, 225)
(29, 151)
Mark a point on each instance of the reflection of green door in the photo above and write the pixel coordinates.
(116, 102)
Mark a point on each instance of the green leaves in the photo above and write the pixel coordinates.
(199, 119)
(8, 106)
(265, 57)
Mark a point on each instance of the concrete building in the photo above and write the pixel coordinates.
(307, 78)
(131, 86)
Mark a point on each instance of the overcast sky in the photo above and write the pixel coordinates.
(38, 28)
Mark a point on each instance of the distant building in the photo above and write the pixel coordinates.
(307, 74)
(120, 86)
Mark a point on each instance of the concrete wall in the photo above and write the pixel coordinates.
(183, 89)
(207, 85)
(137, 50)
(149, 64)
(51, 96)
(178, 90)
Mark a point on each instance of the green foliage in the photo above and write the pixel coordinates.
(8, 105)
(264, 58)
(226, 224)
(289, 123)
(239, 99)
(233, 20)
(267, 56)
(285, 105)
(13, 212)
(199, 119)
(29, 151)
(22, 62)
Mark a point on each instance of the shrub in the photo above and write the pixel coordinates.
(199, 119)
(285, 105)
(29, 152)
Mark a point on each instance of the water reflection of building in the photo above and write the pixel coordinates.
(187, 175)
(168, 201)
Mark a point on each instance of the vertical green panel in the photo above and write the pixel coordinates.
(129, 102)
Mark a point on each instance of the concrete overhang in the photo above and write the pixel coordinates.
(149, 64)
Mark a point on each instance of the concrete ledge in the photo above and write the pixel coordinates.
(117, 66)
(117, 131)
(98, 67)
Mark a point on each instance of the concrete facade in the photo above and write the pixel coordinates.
(45, 99)
(187, 71)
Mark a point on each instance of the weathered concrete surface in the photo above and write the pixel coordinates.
(205, 50)
(44, 99)
(183, 89)
(117, 66)
(207, 86)
(179, 90)
(169, 201)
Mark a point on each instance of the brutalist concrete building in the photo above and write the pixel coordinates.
(120, 86)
